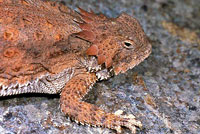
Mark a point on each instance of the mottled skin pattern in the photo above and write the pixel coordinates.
(46, 47)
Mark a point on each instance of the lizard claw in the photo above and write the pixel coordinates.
(118, 129)
(128, 121)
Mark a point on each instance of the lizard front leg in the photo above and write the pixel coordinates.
(85, 113)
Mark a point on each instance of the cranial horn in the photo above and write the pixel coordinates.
(86, 35)
(85, 13)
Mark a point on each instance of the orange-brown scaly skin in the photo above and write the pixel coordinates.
(48, 48)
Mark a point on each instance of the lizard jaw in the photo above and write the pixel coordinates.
(124, 66)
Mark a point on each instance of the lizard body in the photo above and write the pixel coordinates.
(48, 48)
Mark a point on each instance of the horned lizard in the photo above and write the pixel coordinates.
(46, 47)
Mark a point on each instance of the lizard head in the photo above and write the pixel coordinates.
(118, 43)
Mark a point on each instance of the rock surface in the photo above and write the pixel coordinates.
(163, 91)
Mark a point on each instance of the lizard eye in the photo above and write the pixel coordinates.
(128, 44)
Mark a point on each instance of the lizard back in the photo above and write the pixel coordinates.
(34, 49)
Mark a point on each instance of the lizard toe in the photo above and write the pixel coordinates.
(128, 121)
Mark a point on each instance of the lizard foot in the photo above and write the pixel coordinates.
(85, 113)
(128, 121)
